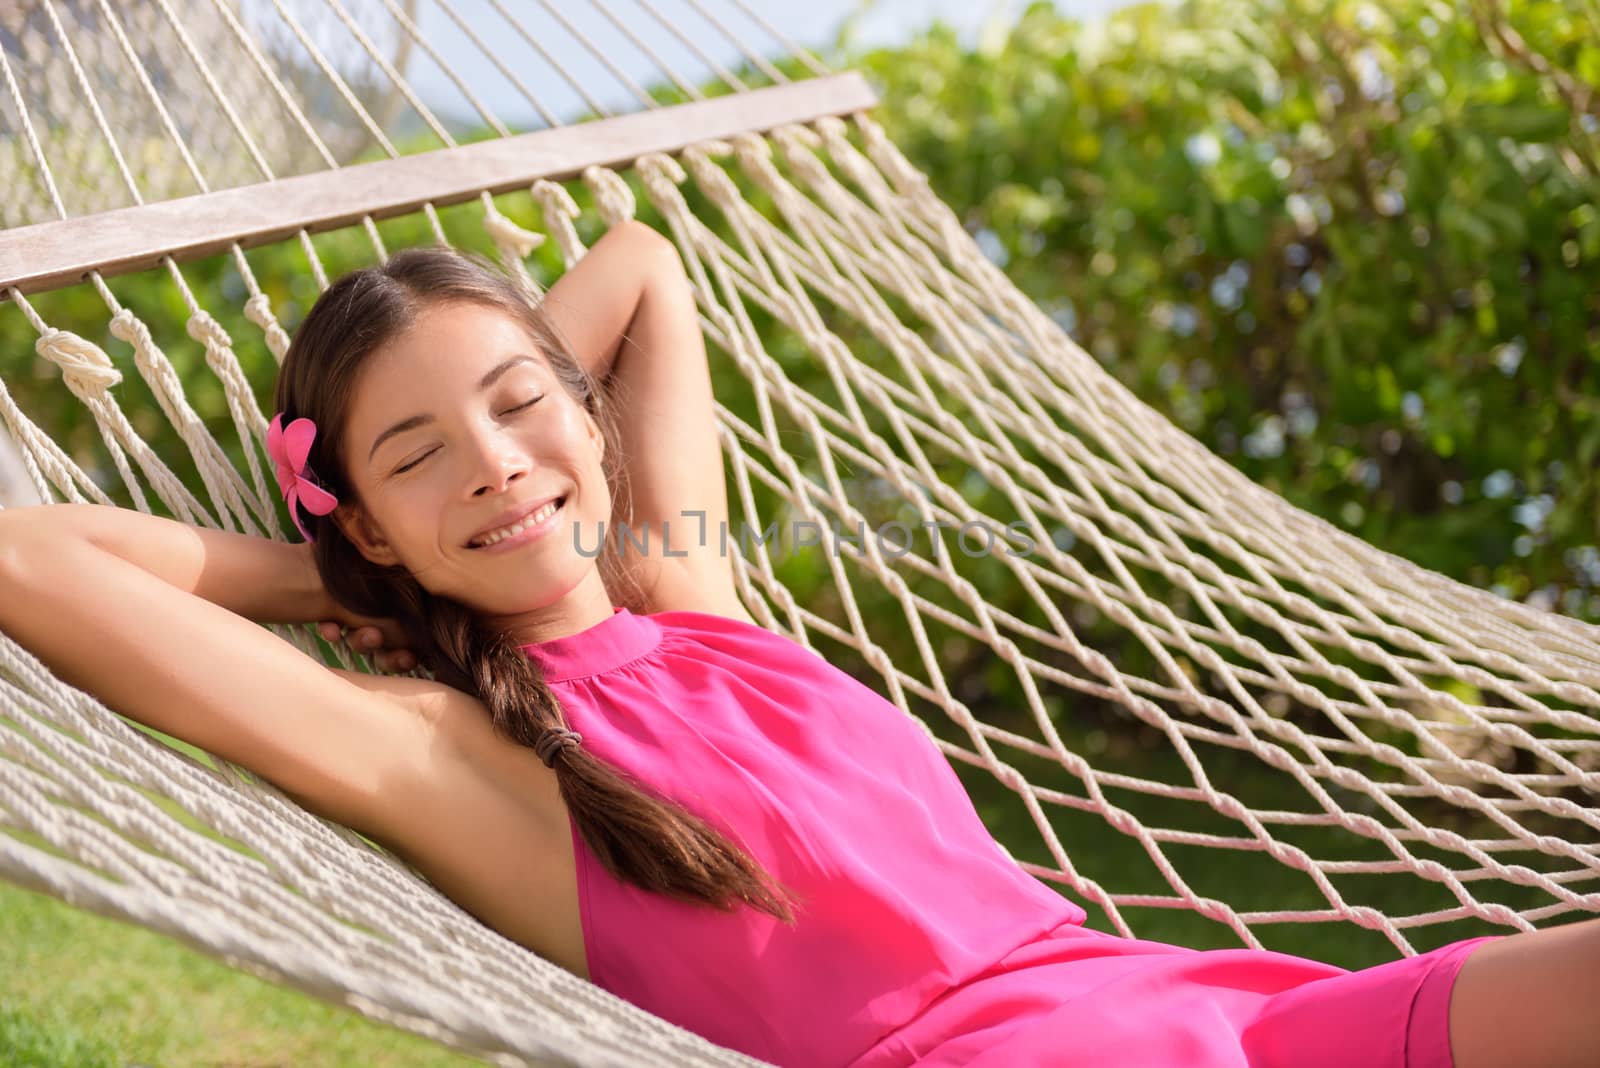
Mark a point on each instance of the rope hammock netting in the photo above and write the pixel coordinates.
(130, 70)
(1345, 738)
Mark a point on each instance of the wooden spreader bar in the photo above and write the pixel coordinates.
(50, 255)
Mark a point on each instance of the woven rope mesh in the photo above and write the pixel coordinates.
(104, 81)
(1297, 729)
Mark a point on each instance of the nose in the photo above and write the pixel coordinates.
(499, 463)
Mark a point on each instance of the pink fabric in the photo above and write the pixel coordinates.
(1428, 1041)
(919, 942)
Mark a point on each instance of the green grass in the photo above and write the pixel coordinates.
(78, 990)
(47, 1041)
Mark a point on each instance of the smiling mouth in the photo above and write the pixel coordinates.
(537, 517)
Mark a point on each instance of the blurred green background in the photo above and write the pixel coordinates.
(1352, 248)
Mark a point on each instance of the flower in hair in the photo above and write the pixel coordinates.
(290, 446)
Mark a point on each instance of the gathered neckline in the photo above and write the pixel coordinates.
(605, 646)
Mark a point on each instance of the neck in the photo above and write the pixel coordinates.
(585, 605)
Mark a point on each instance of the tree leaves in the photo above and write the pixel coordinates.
(1410, 194)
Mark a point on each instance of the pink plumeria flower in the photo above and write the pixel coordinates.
(290, 446)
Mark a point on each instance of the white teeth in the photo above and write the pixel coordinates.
(517, 527)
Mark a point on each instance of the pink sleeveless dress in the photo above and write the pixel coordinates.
(918, 942)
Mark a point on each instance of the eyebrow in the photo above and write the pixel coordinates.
(412, 422)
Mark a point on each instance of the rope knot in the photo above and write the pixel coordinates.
(710, 176)
(831, 127)
(126, 326)
(660, 166)
(205, 329)
(554, 199)
(612, 196)
(84, 365)
(800, 153)
(751, 146)
(508, 236)
(258, 309)
(798, 133)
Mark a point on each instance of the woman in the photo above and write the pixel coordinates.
(614, 766)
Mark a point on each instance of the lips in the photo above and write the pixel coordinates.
(511, 517)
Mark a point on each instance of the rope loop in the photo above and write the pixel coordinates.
(84, 365)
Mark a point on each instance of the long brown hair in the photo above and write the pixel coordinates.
(640, 838)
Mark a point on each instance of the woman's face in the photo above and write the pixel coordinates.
(459, 432)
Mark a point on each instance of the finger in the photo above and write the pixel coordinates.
(398, 662)
(329, 630)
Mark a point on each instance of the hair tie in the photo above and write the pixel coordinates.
(556, 740)
(290, 447)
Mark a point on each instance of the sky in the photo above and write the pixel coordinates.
(812, 23)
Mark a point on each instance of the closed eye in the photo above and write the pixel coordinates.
(525, 404)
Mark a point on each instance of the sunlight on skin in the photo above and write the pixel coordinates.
(1529, 1000)
(424, 492)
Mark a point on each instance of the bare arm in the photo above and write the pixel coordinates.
(148, 615)
(600, 303)
(258, 578)
(267, 581)
(629, 314)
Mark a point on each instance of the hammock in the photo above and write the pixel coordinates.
(1423, 741)
(71, 93)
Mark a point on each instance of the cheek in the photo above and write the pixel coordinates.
(567, 423)
(566, 441)
(595, 505)
(409, 513)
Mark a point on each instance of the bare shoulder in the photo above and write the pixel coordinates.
(484, 821)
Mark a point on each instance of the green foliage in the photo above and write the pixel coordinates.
(1351, 247)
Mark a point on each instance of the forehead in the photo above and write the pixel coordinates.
(456, 337)
(441, 355)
